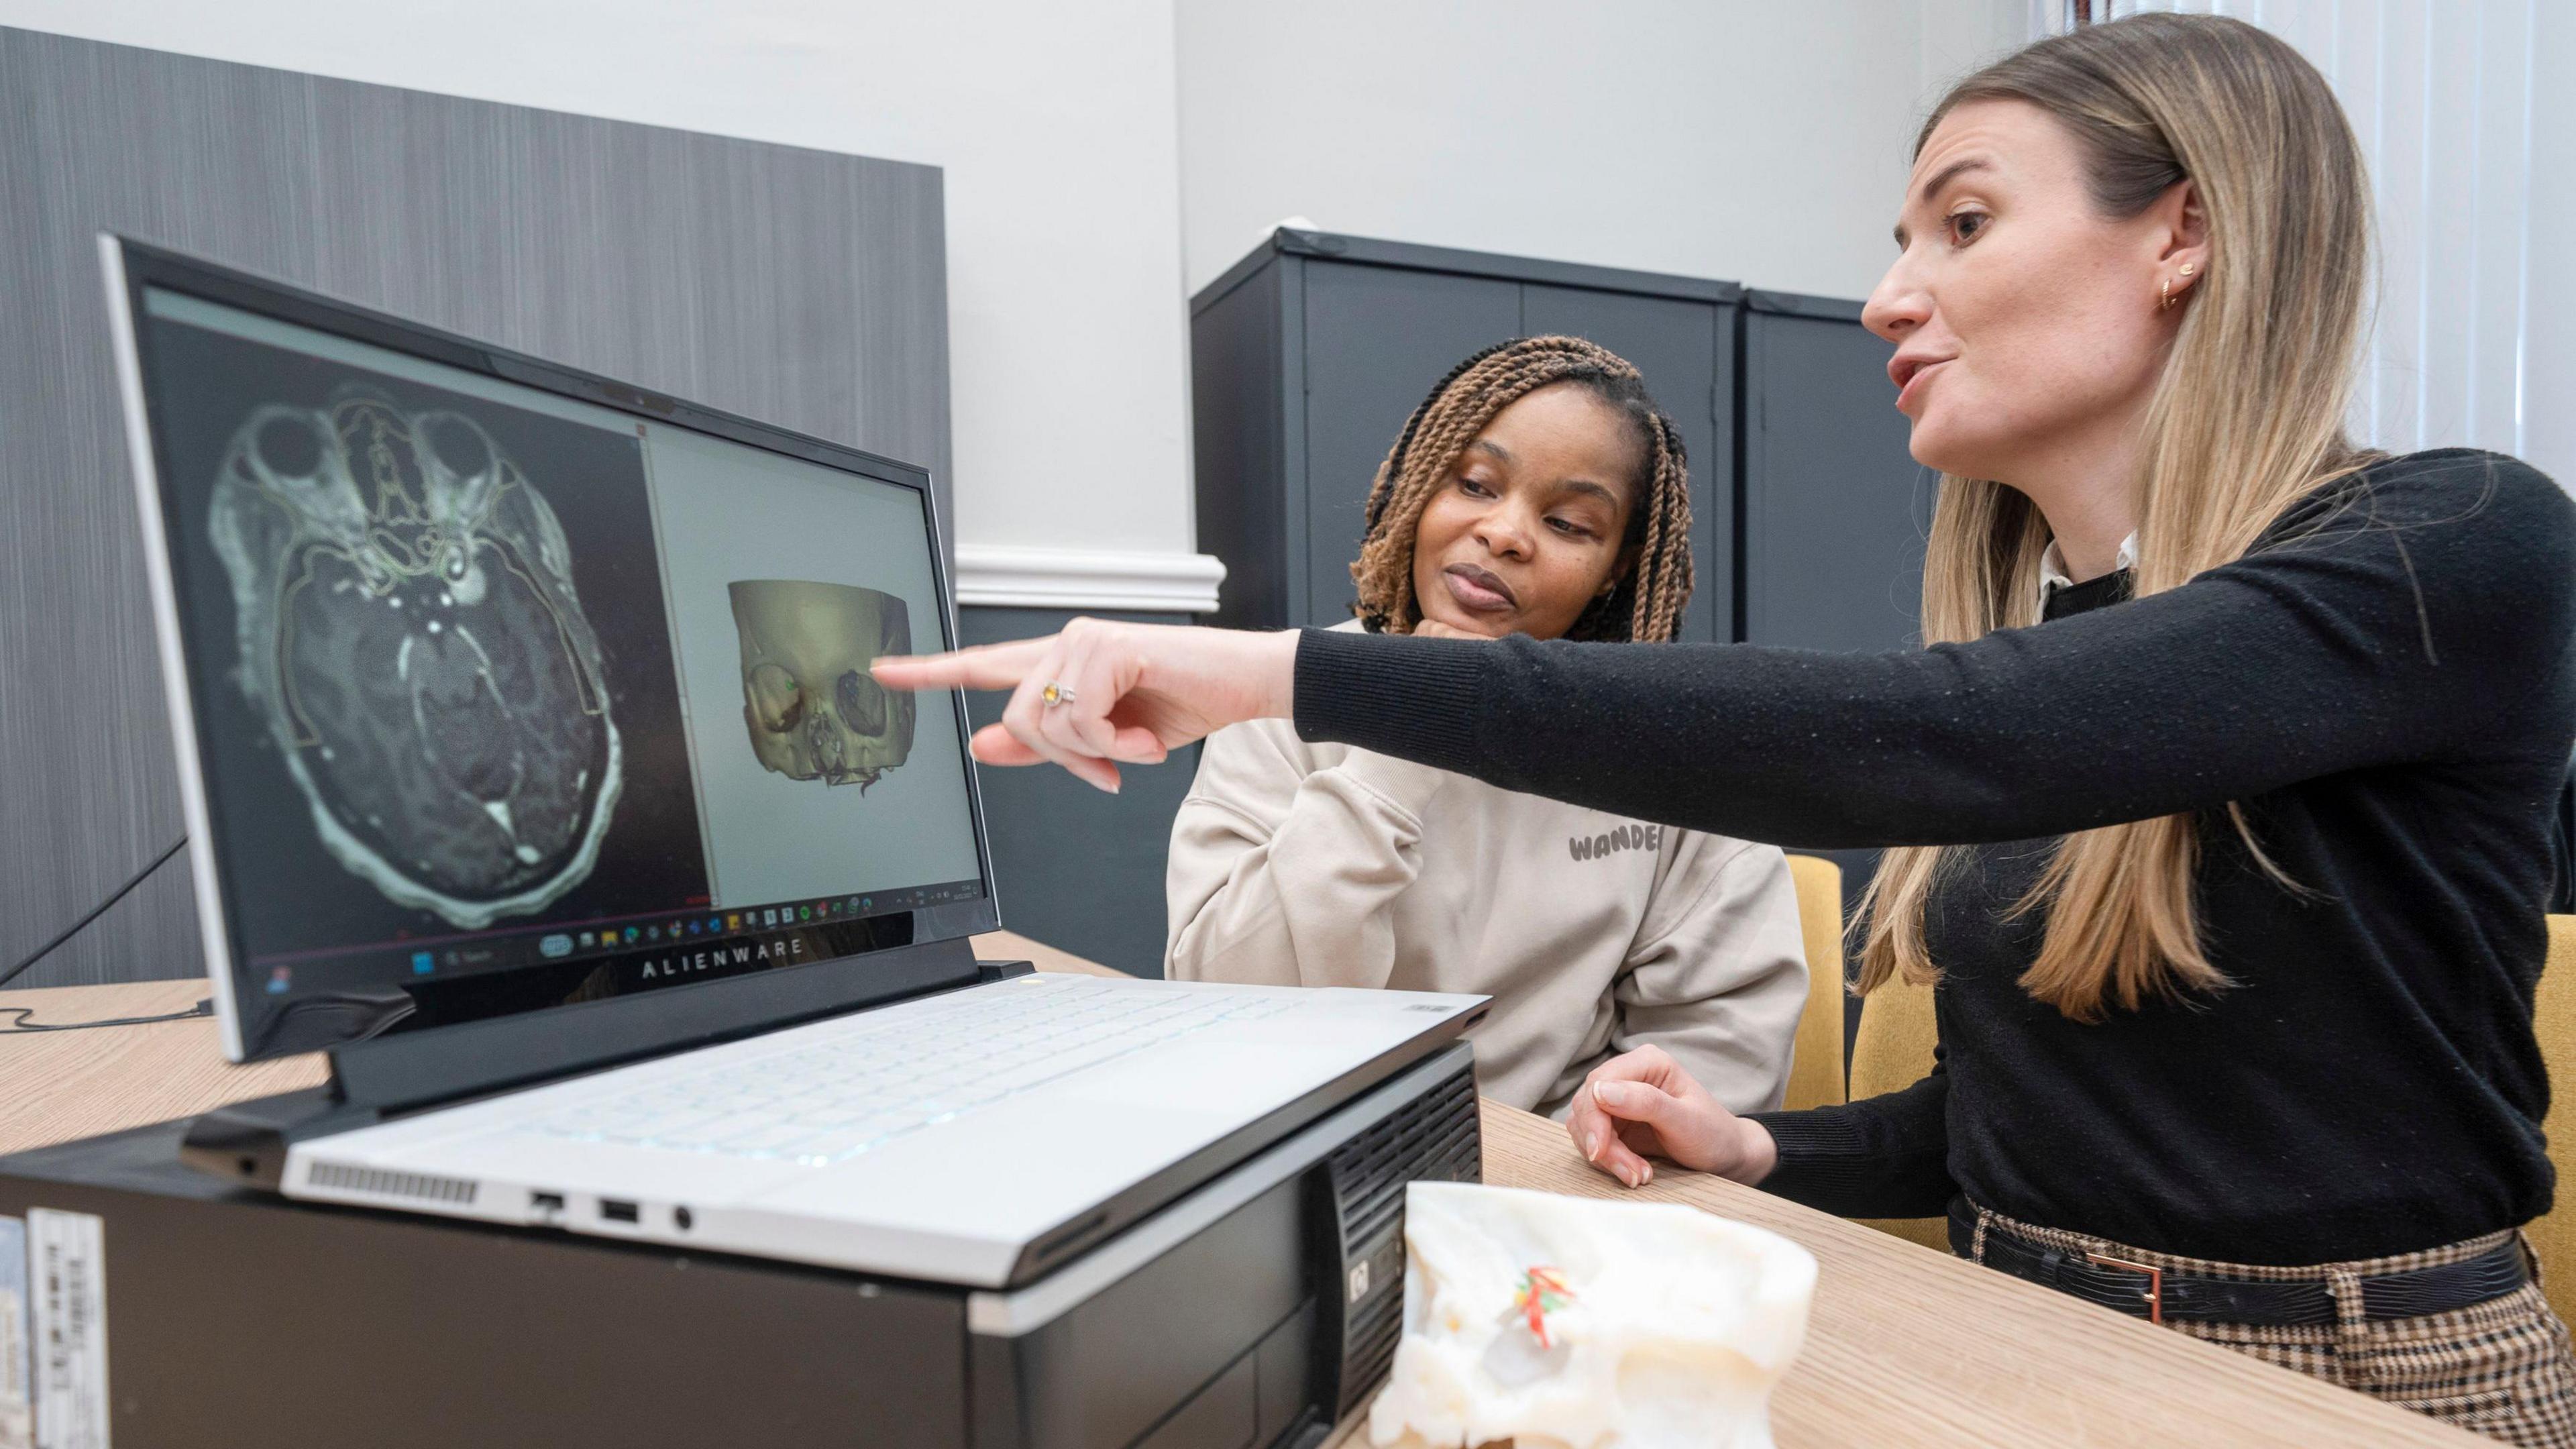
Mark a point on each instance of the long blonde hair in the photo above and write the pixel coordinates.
(2246, 418)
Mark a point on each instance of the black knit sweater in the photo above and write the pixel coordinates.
(2387, 681)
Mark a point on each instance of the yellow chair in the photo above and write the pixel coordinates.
(1893, 1051)
(2553, 1238)
(1816, 1062)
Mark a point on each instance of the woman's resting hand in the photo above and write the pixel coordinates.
(1643, 1102)
(1134, 692)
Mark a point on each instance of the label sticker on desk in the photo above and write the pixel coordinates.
(17, 1364)
(67, 1269)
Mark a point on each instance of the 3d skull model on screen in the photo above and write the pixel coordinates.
(807, 698)
(409, 632)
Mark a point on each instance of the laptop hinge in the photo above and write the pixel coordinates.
(400, 1073)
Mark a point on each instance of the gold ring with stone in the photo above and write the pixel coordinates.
(1056, 693)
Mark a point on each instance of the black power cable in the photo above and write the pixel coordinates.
(202, 1008)
(94, 912)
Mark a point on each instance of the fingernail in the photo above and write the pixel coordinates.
(1611, 1094)
(1591, 1146)
(1646, 1174)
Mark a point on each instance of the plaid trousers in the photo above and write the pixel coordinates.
(2499, 1368)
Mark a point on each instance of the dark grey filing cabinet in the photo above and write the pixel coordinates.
(1308, 354)
(1835, 509)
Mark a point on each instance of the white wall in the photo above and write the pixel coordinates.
(1106, 157)
(1748, 140)
(1054, 124)
(1733, 138)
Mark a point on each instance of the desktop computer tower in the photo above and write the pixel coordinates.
(165, 1307)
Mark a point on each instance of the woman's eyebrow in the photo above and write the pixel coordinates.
(1497, 449)
(1586, 485)
(1950, 173)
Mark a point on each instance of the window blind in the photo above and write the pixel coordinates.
(2452, 102)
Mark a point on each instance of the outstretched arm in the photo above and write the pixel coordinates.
(2409, 619)
(2399, 621)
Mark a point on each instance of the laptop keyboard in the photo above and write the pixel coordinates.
(822, 1102)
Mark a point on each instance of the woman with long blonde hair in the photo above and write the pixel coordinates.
(2220, 793)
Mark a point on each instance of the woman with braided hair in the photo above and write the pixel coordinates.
(1642, 586)
(1537, 491)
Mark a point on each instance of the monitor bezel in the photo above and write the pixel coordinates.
(131, 267)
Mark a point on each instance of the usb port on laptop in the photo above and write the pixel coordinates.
(619, 1212)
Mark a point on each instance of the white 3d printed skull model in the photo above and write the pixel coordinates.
(1578, 1323)
(408, 630)
(813, 710)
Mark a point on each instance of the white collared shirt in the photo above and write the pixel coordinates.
(2052, 566)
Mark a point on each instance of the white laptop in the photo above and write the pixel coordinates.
(532, 767)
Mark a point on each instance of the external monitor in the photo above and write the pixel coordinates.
(500, 688)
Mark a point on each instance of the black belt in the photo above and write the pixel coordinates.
(2162, 1295)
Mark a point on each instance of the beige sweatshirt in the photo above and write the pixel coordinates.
(1322, 865)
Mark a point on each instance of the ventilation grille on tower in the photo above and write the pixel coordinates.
(1434, 1138)
(380, 1183)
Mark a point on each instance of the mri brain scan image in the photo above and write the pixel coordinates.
(811, 708)
(410, 635)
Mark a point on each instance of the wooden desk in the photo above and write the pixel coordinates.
(1906, 1346)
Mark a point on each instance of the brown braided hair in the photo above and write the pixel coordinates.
(1647, 603)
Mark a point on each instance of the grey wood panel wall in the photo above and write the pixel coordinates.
(799, 287)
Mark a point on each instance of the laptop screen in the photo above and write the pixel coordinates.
(504, 700)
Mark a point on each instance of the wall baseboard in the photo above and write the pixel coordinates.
(1012, 576)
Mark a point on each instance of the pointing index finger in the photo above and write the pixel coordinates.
(988, 666)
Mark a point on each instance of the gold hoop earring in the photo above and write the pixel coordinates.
(2164, 290)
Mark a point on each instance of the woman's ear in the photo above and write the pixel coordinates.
(2182, 239)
